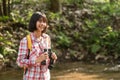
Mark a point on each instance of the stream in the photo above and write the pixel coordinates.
(70, 71)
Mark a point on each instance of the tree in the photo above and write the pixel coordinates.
(5, 7)
(1, 13)
(113, 1)
(55, 5)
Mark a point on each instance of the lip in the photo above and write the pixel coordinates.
(42, 28)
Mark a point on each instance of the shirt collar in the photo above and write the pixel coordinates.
(35, 39)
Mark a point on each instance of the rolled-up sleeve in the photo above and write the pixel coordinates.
(22, 60)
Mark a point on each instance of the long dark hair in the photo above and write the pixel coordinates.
(34, 18)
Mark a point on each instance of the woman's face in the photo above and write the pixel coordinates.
(41, 24)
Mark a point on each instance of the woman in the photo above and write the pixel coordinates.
(40, 41)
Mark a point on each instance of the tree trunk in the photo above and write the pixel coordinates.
(4, 8)
(1, 12)
(9, 7)
(112, 1)
(55, 5)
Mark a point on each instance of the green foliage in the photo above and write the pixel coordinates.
(91, 23)
(4, 18)
(78, 3)
(17, 17)
(102, 1)
(73, 1)
(101, 40)
(95, 48)
(4, 42)
(5, 47)
(53, 16)
(63, 40)
(105, 13)
(76, 36)
(95, 34)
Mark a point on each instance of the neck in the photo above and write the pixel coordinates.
(37, 34)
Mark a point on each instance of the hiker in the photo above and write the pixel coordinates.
(34, 69)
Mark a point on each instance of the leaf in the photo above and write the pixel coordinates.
(95, 48)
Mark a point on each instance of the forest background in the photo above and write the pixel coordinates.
(80, 30)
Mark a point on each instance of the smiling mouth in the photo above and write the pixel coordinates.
(42, 28)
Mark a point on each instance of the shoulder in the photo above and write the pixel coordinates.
(45, 35)
(23, 43)
(23, 40)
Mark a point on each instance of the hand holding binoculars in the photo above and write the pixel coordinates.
(51, 60)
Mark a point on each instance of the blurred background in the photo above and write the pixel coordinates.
(85, 35)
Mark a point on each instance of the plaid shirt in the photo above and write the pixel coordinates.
(35, 71)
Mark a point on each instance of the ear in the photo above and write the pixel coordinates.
(37, 27)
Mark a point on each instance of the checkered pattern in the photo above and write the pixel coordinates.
(35, 71)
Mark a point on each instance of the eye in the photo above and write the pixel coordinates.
(40, 20)
(43, 20)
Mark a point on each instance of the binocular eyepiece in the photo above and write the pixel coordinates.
(51, 60)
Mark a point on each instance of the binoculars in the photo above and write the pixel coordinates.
(50, 66)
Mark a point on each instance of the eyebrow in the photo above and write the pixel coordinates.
(43, 19)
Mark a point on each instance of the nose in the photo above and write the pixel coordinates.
(43, 24)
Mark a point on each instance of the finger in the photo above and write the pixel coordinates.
(45, 53)
(46, 56)
(53, 56)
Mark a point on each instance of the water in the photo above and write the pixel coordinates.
(70, 71)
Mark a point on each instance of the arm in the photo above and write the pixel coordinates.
(22, 60)
(54, 56)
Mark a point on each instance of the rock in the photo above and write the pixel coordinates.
(1, 61)
(100, 57)
(78, 13)
(114, 69)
